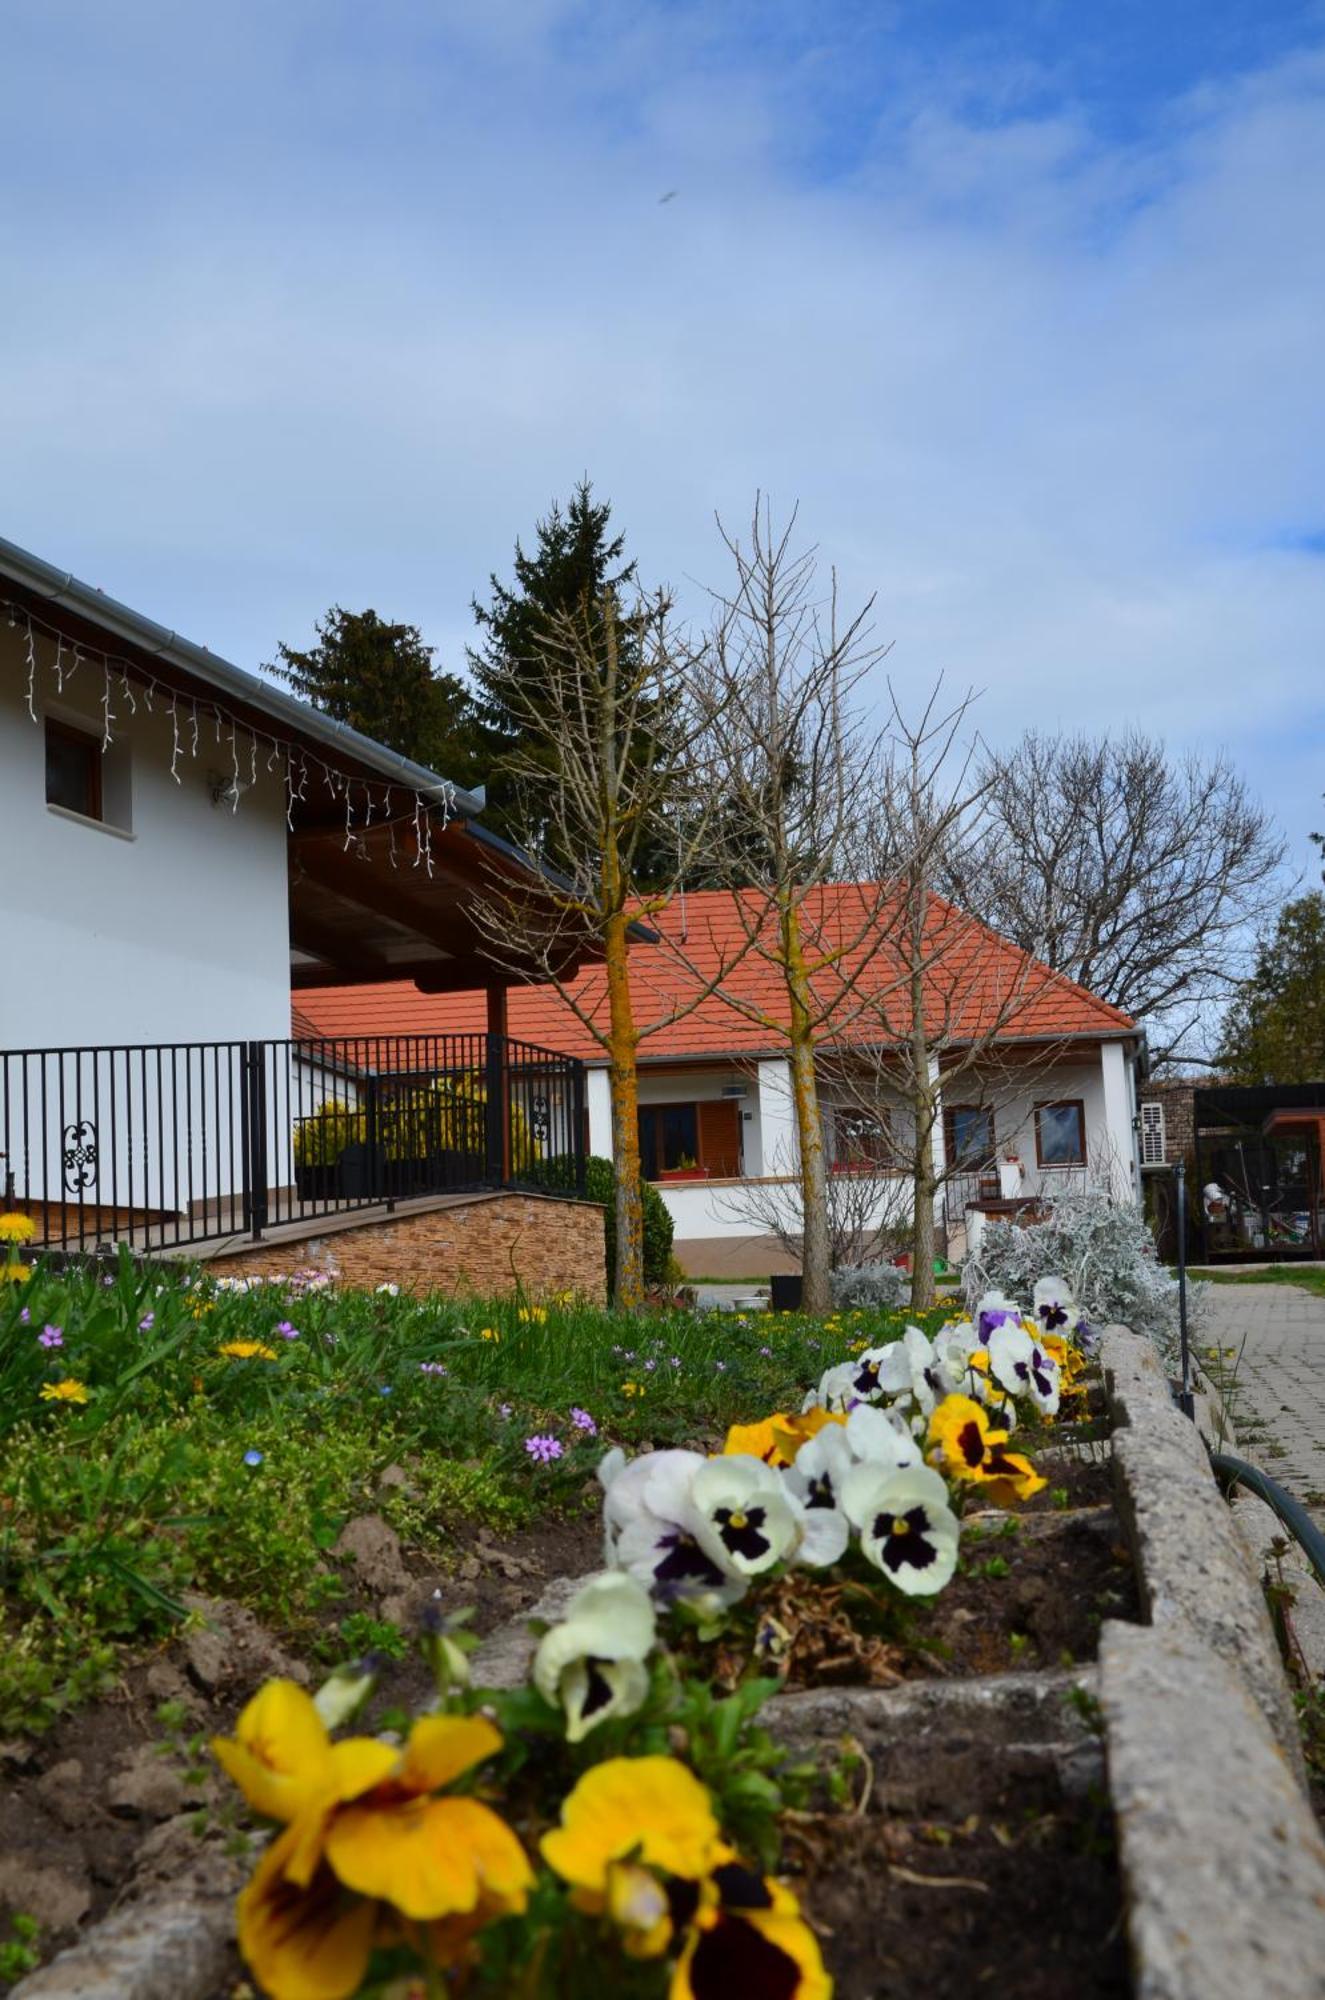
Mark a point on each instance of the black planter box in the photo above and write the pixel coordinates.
(785, 1293)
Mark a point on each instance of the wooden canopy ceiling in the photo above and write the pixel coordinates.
(356, 918)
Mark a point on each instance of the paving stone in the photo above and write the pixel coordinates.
(1223, 1863)
(933, 1743)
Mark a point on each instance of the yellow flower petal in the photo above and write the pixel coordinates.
(300, 1943)
(440, 1747)
(280, 1756)
(427, 1857)
(649, 1808)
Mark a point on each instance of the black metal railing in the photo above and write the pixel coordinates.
(174, 1143)
(978, 1187)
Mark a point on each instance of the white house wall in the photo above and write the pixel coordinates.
(169, 927)
(176, 929)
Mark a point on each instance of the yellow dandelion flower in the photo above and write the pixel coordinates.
(532, 1315)
(15, 1274)
(67, 1391)
(16, 1228)
(246, 1350)
(489, 1333)
(632, 1388)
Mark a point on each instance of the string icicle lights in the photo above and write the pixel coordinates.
(185, 734)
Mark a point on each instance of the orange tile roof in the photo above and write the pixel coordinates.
(974, 980)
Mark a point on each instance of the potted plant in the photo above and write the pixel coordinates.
(686, 1169)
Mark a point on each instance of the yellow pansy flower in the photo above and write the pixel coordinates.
(648, 1810)
(967, 1448)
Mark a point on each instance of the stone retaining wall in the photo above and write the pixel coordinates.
(490, 1246)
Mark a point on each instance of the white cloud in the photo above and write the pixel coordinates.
(289, 318)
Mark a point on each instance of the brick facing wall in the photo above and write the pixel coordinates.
(478, 1248)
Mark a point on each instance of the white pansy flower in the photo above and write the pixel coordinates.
(650, 1528)
(1017, 1360)
(1055, 1308)
(907, 1529)
(592, 1664)
(743, 1514)
(814, 1481)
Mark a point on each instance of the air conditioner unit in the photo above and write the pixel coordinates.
(736, 1090)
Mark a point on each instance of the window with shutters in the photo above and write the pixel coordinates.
(1152, 1135)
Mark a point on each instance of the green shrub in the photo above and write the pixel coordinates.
(600, 1185)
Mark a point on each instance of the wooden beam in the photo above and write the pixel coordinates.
(333, 946)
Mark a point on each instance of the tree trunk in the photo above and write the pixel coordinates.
(816, 1245)
(924, 1104)
(623, 1080)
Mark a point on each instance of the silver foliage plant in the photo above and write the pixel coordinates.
(861, 1287)
(1106, 1254)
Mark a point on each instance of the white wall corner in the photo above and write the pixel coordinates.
(598, 1098)
(776, 1149)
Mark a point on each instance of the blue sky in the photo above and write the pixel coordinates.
(305, 302)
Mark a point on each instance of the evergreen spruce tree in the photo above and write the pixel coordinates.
(576, 567)
(380, 679)
(1274, 1031)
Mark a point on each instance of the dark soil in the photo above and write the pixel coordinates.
(1011, 1903)
(71, 1843)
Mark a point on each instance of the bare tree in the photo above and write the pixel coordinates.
(776, 682)
(614, 779)
(1141, 876)
(869, 1210)
(958, 1007)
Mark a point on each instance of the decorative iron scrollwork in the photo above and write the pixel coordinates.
(540, 1119)
(80, 1157)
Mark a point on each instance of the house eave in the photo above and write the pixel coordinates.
(60, 587)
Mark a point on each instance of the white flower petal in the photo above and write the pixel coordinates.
(878, 1437)
(743, 1514)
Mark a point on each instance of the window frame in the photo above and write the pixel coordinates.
(1077, 1104)
(656, 1112)
(94, 807)
(951, 1112)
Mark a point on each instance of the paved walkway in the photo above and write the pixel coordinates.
(1277, 1388)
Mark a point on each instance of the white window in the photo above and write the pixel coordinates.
(1152, 1135)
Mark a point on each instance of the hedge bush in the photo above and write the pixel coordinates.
(600, 1185)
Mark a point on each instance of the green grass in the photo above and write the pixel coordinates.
(1273, 1274)
(189, 1469)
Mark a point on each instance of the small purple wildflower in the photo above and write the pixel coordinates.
(676, 1361)
(252, 1458)
(24, 1317)
(767, 1353)
(385, 1389)
(286, 1331)
(584, 1422)
(147, 1322)
(616, 1347)
(542, 1449)
(649, 1367)
(629, 1354)
(721, 1367)
(433, 1368)
(51, 1336)
(504, 1409)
